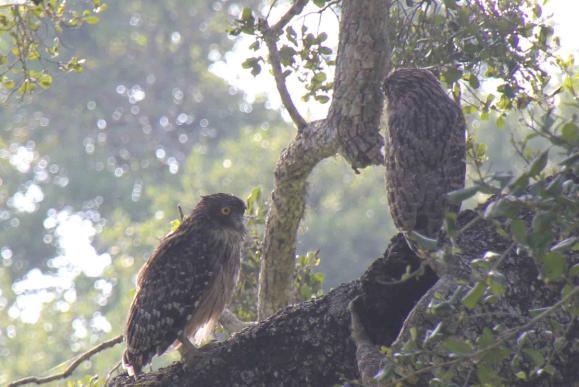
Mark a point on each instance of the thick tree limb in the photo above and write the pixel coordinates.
(363, 57)
(306, 344)
(352, 127)
(288, 201)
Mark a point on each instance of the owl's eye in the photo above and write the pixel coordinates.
(225, 210)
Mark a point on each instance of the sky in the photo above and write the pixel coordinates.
(75, 234)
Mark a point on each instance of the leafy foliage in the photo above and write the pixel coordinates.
(303, 51)
(28, 46)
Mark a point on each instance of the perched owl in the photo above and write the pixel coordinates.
(424, 150)
(187, 282)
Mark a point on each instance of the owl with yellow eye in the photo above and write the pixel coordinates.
(187, 282)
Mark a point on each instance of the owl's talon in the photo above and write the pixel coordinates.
(187, 350)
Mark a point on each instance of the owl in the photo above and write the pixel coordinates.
(424, 150)
(187, 282)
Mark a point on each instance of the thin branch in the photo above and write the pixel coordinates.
(270, 36)
(405, 277)
(74, 365)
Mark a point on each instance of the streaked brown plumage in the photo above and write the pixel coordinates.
(424, 150)
(187, 281)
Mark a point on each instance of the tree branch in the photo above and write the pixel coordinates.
(356, 106)
(362, 61)
(288, 200)
(74, 365)
(270, 35)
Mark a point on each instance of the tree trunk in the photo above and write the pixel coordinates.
(351, 128)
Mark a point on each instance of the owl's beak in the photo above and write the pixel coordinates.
(239, 223)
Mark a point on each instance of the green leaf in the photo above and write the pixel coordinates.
(500, 122)
(322, 99)
(497, 283)
(45, 81)
(519, 185)
(487, 376)
(519, 230)
(542, 223)
(471, 299)
(460, 195)
(9, 84)
(570, 133)
(320, 77)
(457, 346)
(246, 14)
(502, 207)
(175, 224)
(537, 357)
(486, 339)
(473, 81)
(286, 55)
(539, 164)
(452, 75)
(91, 19)
(554, 265)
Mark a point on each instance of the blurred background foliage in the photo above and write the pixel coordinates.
(92, 170)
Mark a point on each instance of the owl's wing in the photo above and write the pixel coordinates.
(168, 290)
(454, 169)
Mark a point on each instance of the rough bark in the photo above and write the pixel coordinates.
(351, 128)
(288, 200)
(307, 344)
(360, 70)
(525, 292)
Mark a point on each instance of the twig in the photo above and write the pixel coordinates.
(74, 365)
(110, 373)
(469, 224)
(181, 216)
(270, 35)
(405, 277)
